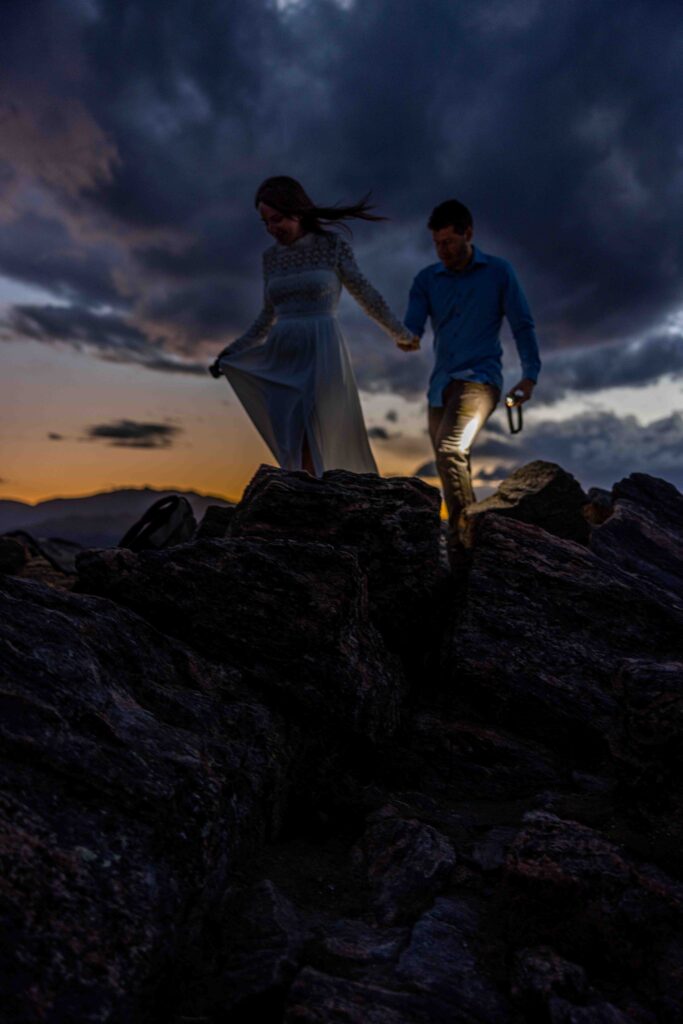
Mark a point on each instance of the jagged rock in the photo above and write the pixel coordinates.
(392, 524)
(317, 998)
(446, 756)
(647, 740)
(292, 616)
(600, 506)
(596, 904)
(490, 853)
(540, 493)
(215, 523)
(442, 960)
(266, 936)
(644, 535)
(552, 989)
(58, 553)
(357, 943)
(135, 773)
(544, 627)
(563, 1012)
(13, 555)
(540, 973)
(407, 863)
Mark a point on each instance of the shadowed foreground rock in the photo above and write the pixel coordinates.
(135, 774)
(291, 772)
(293, 617)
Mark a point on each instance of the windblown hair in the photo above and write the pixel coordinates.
(290, 199)
(450, 214)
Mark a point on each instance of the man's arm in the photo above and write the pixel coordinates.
(516, 309)
(419, 307)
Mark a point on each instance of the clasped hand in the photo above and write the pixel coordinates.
(409, 346)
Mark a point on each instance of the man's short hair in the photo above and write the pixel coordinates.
(450, 214)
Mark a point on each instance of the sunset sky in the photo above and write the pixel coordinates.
(133, 134)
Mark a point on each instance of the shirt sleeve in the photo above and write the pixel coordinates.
(258, 330)
(516, 309)
(419, 307)
(367, 297)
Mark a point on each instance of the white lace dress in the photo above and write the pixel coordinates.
(291, 369)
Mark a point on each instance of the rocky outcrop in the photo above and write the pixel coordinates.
(292, 617)
(293, 771)
(390, 525)
(136, 775)
(643, 535)
(541, 494)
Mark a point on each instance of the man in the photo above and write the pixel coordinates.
(466, 294)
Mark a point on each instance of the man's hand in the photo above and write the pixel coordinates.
(409, 346)
(521, 392)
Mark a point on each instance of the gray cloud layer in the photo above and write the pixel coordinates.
(598, 448)
(135, 134)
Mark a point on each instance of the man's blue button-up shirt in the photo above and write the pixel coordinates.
(466, 308)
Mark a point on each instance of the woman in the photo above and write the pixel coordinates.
(291, 369)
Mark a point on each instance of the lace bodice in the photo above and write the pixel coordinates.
(305, 279)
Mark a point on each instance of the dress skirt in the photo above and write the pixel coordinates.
(299, 383)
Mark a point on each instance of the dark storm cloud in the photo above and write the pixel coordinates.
(111, 337)
(146, 127)
(133, 434)
(598, 448)
(39, 251)
(590, 370)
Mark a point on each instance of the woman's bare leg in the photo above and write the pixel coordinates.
(306, 457)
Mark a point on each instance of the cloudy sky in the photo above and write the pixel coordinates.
(133, 134)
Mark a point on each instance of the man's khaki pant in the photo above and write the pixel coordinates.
(453, 428)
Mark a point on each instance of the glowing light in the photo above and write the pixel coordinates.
(469, 434)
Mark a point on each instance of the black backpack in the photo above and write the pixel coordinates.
(168, 521)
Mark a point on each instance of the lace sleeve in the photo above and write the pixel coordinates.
(258, 330)
(367, 297)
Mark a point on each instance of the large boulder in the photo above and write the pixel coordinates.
(644, 534)
(136, 775)
(392, 525)
(443, 960)
(293, 617)
(544, 627)
(541, 494)
(406, 862)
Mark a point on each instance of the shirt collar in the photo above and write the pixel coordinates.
(478, 259)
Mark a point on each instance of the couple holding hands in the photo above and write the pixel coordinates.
(291, 369)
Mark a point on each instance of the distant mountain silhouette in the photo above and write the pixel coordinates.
(99, 520)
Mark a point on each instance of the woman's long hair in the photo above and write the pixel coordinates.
(290, 199)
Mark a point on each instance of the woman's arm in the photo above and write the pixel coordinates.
(369, 299)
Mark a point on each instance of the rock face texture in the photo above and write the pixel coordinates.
(293, 770)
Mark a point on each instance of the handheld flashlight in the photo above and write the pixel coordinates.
(515, 423)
